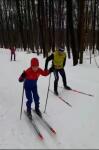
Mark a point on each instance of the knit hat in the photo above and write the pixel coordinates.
(61, 49)
(34, 62)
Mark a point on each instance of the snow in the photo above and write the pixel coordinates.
(76, 127)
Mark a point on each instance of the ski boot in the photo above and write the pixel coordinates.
(67, 88)
(56, 93)
(38, 112)
(29, 114)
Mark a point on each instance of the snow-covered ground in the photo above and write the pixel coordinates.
(76, 127)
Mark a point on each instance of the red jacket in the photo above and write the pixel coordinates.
(12, 50)
(29, 74)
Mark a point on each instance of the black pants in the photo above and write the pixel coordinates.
(56, 75)
(13, 54)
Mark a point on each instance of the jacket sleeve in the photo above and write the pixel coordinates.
(44, 72)
(51, 57)
(22, 77)
(64, 61)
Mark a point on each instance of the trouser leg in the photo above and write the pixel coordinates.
(63, 75)
(29, 99)
(11, 56)
(36, 97)
(56, 80)
(14, 57)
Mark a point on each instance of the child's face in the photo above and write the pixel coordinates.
(34, 68)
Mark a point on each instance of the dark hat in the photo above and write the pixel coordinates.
(34, 62)
(61, 49)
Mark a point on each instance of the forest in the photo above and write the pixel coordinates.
(43, 25)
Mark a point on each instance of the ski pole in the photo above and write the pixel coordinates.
(47, 93)
(22, 102)
(79, 92)
(62, 99)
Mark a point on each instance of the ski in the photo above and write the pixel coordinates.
(62, 99)
(79, 92)
(82, 93)
(45, 122)
(35, 127)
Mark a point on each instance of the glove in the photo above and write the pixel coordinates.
(51, 69)
(22, 77)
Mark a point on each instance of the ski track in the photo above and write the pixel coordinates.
(76, 127)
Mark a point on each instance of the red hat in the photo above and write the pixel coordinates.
(34, 62)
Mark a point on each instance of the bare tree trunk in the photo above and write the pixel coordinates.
(71, 32)
(81, 35)
(20, 24)
(53, 27)
(94, 24)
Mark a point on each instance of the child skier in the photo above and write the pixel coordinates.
(30, 77)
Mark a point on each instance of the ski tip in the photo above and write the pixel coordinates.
(53, 130)
(41, 137)
(91, 95)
